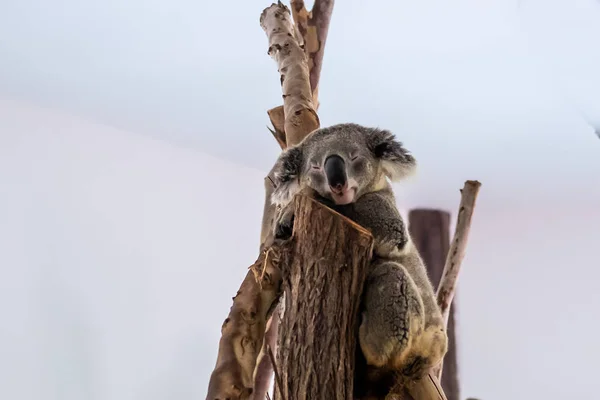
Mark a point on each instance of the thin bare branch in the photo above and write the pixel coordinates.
(447, 287)
(313, 26)
(458, 247)
(264, 365)
(278, 382)
(300, 15)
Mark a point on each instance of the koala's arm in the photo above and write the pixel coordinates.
(377, 212)
(402, 325)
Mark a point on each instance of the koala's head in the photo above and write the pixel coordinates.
(341, 163)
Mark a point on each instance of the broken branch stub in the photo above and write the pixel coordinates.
(326, 264)
(243, 330)
(278, 121)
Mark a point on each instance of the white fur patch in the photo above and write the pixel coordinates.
(396, 171)
(285, 192)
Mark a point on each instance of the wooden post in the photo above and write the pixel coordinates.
(325, 269)
(430, 231)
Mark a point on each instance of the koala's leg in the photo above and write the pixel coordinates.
(392, 315)
(429, 347)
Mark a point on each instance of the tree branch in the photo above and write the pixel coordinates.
(313, 26)
(311, 29)
(243, 330)
(430, 232)
(300, 115)
(447, 286)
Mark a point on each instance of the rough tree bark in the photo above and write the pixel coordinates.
(430, 231)
(326, 266)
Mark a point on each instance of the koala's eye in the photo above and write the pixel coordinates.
(316, 167)
(354, 154)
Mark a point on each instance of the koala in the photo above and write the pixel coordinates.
(348, 168)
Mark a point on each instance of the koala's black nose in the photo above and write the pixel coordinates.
(335, 170)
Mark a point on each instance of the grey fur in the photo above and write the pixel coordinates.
(401, 325)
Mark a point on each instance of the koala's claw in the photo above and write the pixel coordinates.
(284, 229)
(416, 368)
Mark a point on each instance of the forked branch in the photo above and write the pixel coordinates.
(298, 109)
(311, 28)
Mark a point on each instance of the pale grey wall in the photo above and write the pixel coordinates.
(475, 82)
(117, 268)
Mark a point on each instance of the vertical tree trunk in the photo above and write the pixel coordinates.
(430, 230)
(324, 267)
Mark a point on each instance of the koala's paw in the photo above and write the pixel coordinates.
(415, 368)
(285, 225)
(428, 350)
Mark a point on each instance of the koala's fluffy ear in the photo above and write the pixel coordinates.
(287, 176)
(397, 162)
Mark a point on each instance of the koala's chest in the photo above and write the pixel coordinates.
(348, 211)
(354, 213)
(366, 218)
